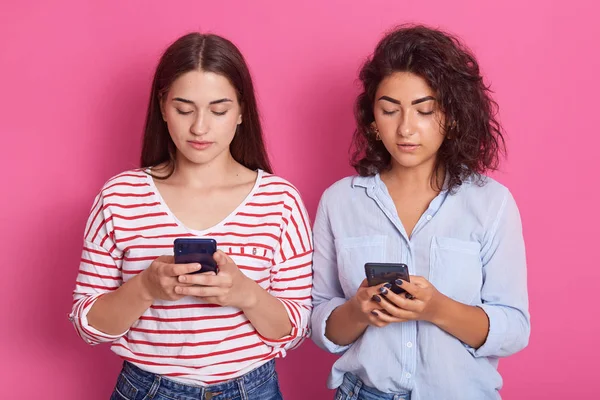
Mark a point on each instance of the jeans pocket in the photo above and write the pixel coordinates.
(124, 390)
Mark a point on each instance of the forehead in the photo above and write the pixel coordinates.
(404, 86)
(202, 87)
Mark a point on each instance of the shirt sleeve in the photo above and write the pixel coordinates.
(504, 292)
(327, 292)
(99, 272)
(291, 276)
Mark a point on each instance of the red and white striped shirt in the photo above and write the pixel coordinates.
(269, 238)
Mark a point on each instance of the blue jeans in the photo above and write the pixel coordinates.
(136, 384)
(353, 388)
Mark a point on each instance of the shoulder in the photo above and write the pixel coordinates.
(131, 183)
(275, 183)
(486, 197)
(275, 186)
(346, 188)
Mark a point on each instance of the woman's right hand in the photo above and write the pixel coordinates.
(367, 308)
(160, 278)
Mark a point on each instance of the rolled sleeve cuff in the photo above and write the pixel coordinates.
(320, 316)
(298, 331)
(496, 333)
(87, 332)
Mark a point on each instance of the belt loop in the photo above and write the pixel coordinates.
(155, 386)
(357, 388)
(242, 389)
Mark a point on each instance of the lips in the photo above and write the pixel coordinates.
(199, 145)
(408, 146)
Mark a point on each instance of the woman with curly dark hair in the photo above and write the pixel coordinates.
(426, 135)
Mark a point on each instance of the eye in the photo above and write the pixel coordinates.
(385, 112)
(183, 112)
(425, 113)
(220, 113)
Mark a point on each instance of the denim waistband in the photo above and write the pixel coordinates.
(164, 385)
(353, 384)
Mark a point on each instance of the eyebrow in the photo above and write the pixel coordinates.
(417, 101)
(223, 100)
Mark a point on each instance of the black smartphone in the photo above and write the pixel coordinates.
(196, 250)
(378, 273)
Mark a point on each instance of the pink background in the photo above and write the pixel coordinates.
(75, 79)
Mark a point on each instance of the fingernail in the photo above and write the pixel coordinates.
(377, 298)
(383, 290)
(375, 313)
(398, 282)
(178, 289)
(197, 266)
(182, 278)
(388, 285)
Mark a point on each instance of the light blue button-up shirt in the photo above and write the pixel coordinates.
(468, 244)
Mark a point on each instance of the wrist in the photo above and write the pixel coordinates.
(441, 305)
(250, 294)
(143, 291)
(355, 313)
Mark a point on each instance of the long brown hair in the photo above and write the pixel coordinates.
(451, 70)
(210, 53)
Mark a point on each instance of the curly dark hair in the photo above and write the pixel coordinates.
(451, 70)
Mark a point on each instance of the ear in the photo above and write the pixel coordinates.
(240, 119)
(161, 103)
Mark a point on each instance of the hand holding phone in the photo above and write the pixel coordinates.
(159, 280)
(196, 250)
(378, 273)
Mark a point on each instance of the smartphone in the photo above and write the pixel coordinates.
(196, 250)
(378, 273)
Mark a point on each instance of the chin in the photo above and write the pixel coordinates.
(199, 159)
(408, 162)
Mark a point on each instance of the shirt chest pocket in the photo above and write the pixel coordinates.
(254, 261)
(456, 269)
(352, 255)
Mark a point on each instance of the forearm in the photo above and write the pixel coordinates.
(469, 324)
(342, 327)
(267, 314)
(115, 312)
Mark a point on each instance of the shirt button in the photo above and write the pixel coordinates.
(408, 375)
(429, 217)
(409, 345)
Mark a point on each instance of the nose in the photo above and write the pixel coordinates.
(405, 128)
(200, 125)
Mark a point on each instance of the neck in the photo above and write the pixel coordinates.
(213, 173)
(421, 178)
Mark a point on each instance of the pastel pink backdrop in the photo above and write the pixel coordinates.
(75, 78)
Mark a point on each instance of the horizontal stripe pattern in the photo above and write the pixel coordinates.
(268, 237)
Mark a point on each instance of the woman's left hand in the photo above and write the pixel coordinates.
(229, 287)
(420, 302)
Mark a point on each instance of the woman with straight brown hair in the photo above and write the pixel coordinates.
(205, 174)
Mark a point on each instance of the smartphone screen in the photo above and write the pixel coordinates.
(378, 273)
(196, 250)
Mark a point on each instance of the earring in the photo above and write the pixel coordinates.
(377, 135)
(453, 128)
